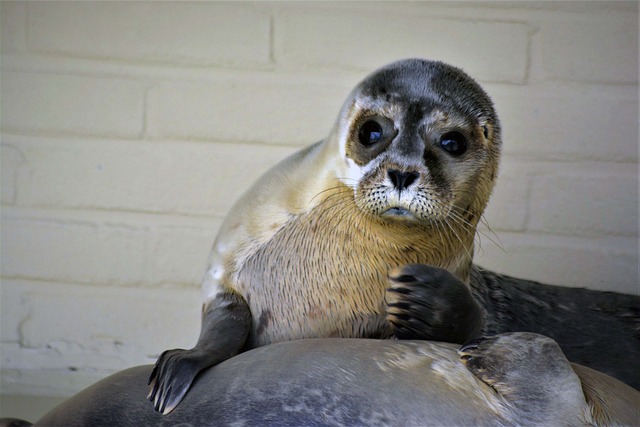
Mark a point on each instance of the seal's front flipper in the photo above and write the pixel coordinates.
(430, 303)
(172, 376)
(533, 376)
(225, 326)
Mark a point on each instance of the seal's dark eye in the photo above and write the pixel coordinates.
(370, 132)
(454, 143)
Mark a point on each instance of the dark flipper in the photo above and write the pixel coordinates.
(597, 329)
(425, 302)
(531, 373)
(225, 327)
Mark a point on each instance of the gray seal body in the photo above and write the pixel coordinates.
(511, 379)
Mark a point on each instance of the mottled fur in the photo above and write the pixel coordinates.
(308, 250)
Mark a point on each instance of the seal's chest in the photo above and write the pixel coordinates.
(324, 274)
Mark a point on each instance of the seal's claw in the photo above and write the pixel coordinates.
(153, 374)
(471, 345)
(152, 389)
(425, 302)
(481, 357)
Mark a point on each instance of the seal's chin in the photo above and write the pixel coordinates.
(399, 213)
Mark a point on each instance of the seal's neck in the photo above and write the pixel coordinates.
(395, 242)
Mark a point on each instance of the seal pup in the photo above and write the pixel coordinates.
(511, 379)
(403, 177)
(369, 233)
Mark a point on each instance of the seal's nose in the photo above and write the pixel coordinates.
(402, 180)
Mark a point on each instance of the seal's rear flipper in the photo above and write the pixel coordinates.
(225, 327)
(530, 372)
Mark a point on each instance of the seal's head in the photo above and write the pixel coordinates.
(420, 142)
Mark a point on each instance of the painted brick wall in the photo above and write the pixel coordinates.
(128, 129)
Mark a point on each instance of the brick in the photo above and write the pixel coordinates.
(13, 28)
(272, 112)
(507, 209)
(607, 264)
(366, 39)
(121, 327)
(12, 160)
(13, 309)
(585, 204)
(47, 382)
(182, 33)
(71, 104)
(113, 248)
(568, 122)
(113, 318)
(180, 254)
(573, 6)
(160, 177)
(77, 251)
(598, 48)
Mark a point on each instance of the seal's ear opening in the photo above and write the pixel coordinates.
(487, 132)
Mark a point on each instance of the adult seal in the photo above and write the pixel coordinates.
(509, 379)
(370, 234)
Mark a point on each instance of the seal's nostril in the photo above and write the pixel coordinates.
(410, 178)
(402, 180)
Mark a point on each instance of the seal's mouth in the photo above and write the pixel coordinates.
(398, 212)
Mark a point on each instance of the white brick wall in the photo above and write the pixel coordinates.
(317, 37)
(192, 33)
(129, 128)
(62, 104)
(234, 110)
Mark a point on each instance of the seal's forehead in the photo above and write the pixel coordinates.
(401, 79)
(427, 83)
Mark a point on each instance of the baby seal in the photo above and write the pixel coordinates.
(370, 234)
(402, 178)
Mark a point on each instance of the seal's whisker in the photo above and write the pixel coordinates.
(498, 243)
(470, 228)
(441, 232)
(478, 232)
(336, 189)
(455, 233)
(466, 226)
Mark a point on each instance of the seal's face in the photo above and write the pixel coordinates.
(420, 142)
